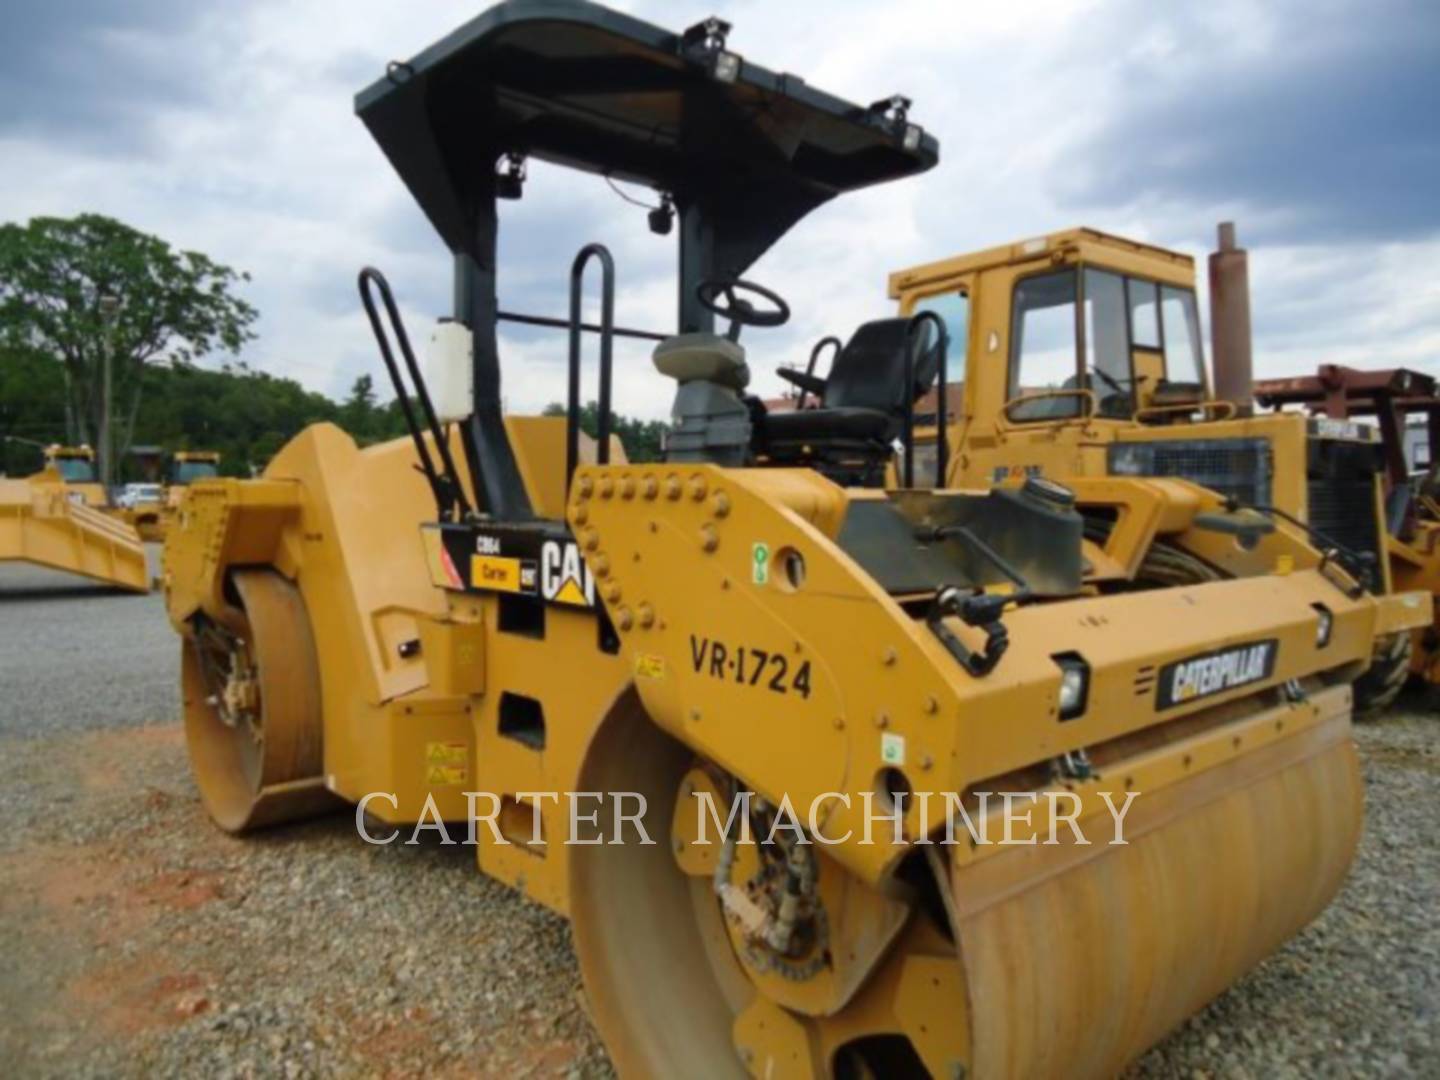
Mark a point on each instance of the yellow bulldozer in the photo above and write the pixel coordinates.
(76, 466)
(187, 466)
(1082, 361)
(728, 711)
(150, 508)
(58, 518)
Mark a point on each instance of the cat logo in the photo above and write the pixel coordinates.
(564, 577)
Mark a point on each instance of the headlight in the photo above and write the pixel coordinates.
(1132, 459)
(1324, 623)
(727, 67)
(1074, 684)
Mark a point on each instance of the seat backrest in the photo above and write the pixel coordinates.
(869, 373)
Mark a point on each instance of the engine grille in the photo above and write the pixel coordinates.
(1239, 468)
(1341, 488)
(1344, 511)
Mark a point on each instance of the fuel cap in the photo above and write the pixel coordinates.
(1048, 493)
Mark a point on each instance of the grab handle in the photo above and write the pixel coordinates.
(607, 353)
(444, 485)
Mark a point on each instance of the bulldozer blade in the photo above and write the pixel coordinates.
(40, 523)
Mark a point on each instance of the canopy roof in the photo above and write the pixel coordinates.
(578, 84)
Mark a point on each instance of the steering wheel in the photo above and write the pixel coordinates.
(740, 311)
(1109, 380)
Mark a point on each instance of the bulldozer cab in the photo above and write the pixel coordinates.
(1082, 357)
(76, 467)
(187, 466)
(1077, 326)
(75, 464)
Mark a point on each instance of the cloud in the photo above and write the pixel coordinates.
(91, 73)
(1318, 119)
(230, 129)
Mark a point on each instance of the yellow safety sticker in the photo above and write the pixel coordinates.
(445, 775)
(493, 572)
(649, 667)
(447, 753)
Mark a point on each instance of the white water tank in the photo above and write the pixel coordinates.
(449, 371)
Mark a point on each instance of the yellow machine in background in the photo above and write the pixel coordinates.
(1400, 403)
(76, 466)
(146, 515)
(60, 519)
(45, 521)
(187, 466)
(1082, 358)
(152, 517)
(494, 618)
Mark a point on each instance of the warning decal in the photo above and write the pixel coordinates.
(447, 764)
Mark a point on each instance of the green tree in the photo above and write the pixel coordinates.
(80, 288)
(644, 440)
(32, 408)
(359, 415)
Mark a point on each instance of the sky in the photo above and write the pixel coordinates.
(229, 129)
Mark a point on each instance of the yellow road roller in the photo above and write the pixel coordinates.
(831, 780)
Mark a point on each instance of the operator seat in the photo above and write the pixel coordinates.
(851, 436)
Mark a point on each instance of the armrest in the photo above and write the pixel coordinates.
(813, 384)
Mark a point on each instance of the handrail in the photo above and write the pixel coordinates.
(1086, 396)
(815, 356)
(564, 324)
(607, 346)
(445, 486)
(1216, 406)
(942, 440)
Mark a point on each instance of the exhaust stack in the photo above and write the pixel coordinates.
(1230, 322)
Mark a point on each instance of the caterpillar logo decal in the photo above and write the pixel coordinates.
(1215, 673)
(564, 577)
(543, 562)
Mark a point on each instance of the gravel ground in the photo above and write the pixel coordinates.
(76, 656)
(138, 941)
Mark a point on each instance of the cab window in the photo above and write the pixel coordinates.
(1182, 337)
(76, 470)
(1042, 346)
(1120, 315)
(1144, 313)
(954, 311)
(188, 471)
(1107, 345)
